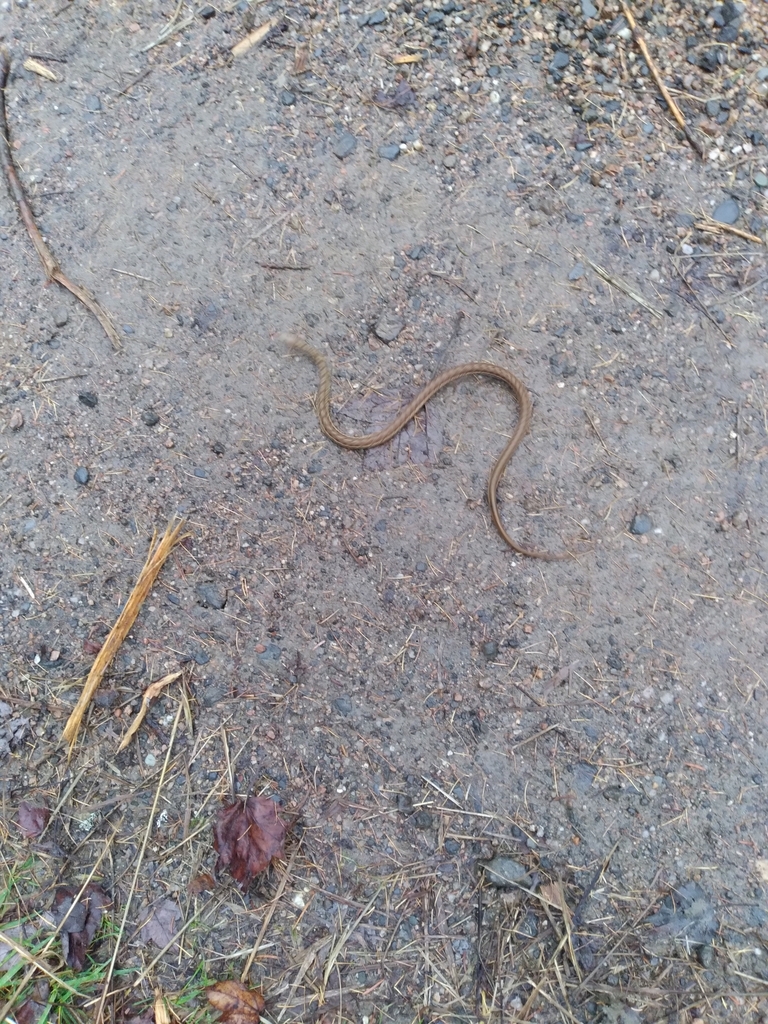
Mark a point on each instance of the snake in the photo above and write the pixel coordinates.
(363, 441)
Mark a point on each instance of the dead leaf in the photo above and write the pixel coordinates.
(204, 882)
(553, 895)
(402, 96)
(35, 1005)
(247, 837)
(82, 922)
(235, 1003)
(32, 820)
(149, 695)
(30, 64)
(159, 923)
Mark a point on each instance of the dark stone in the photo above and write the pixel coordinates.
(389, 152)
(378, 17)
(82, 476)
(435, 18)
(641, 524)
(88, 398)
(422, 819)
(560, 61)
(343, 705)
(150, 417)
(207, 12)
(490, 649)
(727, 212)
(211, 597)
(708, 61)
(287, 98)
(92, 102)
(345, 145)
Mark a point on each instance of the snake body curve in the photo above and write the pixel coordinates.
(516, 386)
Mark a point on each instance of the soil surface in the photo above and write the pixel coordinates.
(407, 187)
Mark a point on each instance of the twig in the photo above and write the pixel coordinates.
(255, 37)
(170, 29)
(673, 107)
(285, 266)
(454, 281)
(50, 265)
(713, 226)
(121, 628)
(135, 81)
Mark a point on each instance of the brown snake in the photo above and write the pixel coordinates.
(329, 428)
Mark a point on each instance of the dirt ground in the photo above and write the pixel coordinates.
(356, 639)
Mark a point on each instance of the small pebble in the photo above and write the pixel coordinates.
(588, 9)
(345, 145)
(449, 161)
(388, 327)
(207, 12)
(343, 705)
(727, 212)
(92, 102)
(390, 152)
(287, 98)
(504, 871)
(761, 180)
(150, 417)
(82, 476)
(211, 597)
(560, 61)
(16, 422)
(577, 272)
(60, 317)
(490, 649)
(378, 17)
(150, 760)
(89, 399)
(641, 524)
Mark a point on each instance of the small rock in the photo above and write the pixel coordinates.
(207, 12)
(577, 272)
(343, 705)
(16, 422)
(82, 476)
(560, 61)
(588, 9)
(390, 152)
(388, 327)
(727, 212)
(422, 819)
(504, 871)
(490, 649)
(712, 108)
(761, 180)
(435, 18)
(641, 524)
(92, 102)
(211, 597)
(378, 17)
(89, 399)
(287, 98)
(404, 803)
(345, 145)
(150, 417)
(450, 161)
(60, 316)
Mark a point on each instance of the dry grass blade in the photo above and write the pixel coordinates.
(121, 628)
(622, 286)
(149, 695)
(716, 227)
(99, 1014)
(336, 949)
(30, 64)
(269, 915)
(50, 265)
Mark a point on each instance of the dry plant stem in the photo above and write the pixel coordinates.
(99, 1014)
(50, 265)
(149, 695)
(254, 37)
(269, 916)
(519, 390)
(673, 107)
(713, 226)
(121, 628)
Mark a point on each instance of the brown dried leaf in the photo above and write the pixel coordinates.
(159, 923)
(235, 1003)
(83, 921)
(247, 837)
(32, 820)
(204, 882)
(402, 96)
